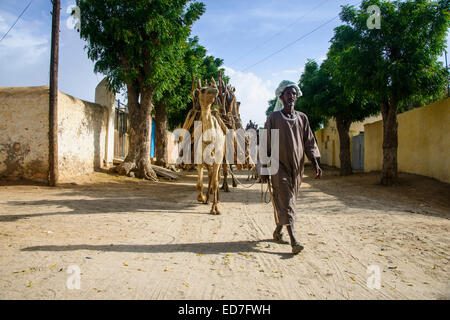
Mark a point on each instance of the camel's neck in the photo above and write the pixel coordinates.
(206, 117)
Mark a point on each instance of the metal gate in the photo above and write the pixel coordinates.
(358, 152)
(121, 131)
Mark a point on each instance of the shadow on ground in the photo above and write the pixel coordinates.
(413, 194)
(105, 194)
(198, 248)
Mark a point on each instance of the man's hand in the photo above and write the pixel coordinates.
(318, 172)
(317, 169)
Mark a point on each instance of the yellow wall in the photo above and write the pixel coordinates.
(328, 140)
(373, 146)
(423, 142)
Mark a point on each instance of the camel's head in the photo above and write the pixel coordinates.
(207, 94)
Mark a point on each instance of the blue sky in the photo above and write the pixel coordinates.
(242, 32)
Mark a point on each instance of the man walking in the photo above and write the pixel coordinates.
(296, 139)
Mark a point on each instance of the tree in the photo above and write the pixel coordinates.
(311, 88)
(181, 99)
(395, 63)
(133, 43)
(167, 98)
(333, 100)
(271, 106)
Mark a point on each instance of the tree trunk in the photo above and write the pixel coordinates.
(138, 157)
(161, 140)
(343, 127)
(390, 143)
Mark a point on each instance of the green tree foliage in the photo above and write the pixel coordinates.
(196, 63)
(332, 100)
(173, 103)
(394, 64)
(134, 43)
(271, 107)
(312, 91)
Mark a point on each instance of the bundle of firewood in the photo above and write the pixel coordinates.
(225, 110)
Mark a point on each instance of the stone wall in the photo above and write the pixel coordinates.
(82, 128)
(24, 132)
(83, 140)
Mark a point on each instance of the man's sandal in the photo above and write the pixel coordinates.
(278, 237)
(297, 248)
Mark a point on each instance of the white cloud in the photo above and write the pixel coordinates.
(253, 93)
(21, 47)
(291, 73)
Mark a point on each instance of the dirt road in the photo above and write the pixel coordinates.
(134, 239)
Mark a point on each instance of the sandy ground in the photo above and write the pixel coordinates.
(135, 239)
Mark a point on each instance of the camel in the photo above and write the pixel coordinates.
(216, 106)
(210, 124)
(229, 114)
(251, 165)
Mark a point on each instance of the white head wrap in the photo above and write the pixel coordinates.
(281, 87)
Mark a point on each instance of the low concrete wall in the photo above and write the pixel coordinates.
(172, 148)
(423, 142)
(82, 128)
(82, 134)
(105, 97)
(24, 132)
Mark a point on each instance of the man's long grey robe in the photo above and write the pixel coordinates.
(295, 140)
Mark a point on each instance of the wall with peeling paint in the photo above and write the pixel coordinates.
(82, 134)
(24, 133)
(82, 129)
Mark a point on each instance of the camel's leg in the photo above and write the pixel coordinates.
(218, 183)
(209, 180)
(233, 178)
(201, 197)
(215, 188)
(210, 190)
(225, 178)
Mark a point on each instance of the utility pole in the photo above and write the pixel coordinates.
(53, 98)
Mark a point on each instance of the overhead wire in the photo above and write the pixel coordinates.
(279, 32)
(291, 43)
(21, 14)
